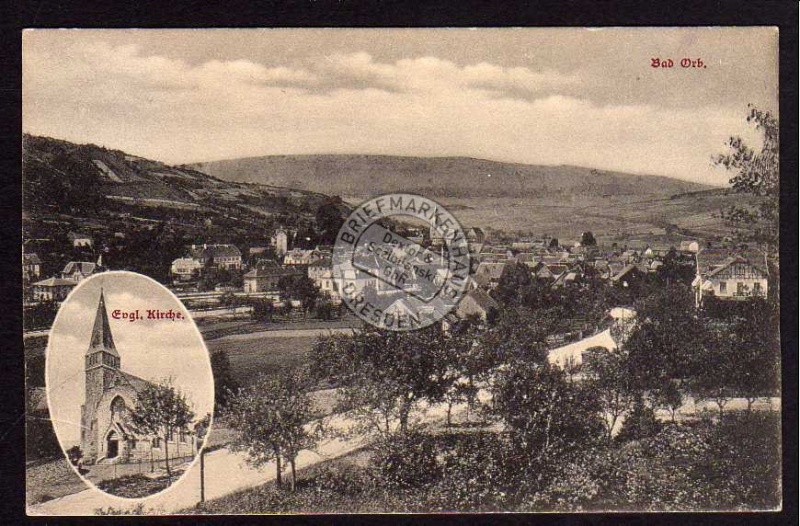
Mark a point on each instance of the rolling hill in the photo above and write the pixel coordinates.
(366, 175)
(142, 213)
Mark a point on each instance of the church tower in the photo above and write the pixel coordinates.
(102, 364)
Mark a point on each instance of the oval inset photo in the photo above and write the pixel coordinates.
(129, 384)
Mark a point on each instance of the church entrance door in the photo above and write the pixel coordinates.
(112, 445)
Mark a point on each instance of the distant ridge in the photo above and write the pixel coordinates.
(361, 175)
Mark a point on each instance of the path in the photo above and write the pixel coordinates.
(226, 472)
(284, 333)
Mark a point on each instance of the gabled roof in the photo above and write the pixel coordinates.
(137, 383)
(625, 271)
(483, 299)
(709, 259)
(491, 270)
(326, 262)
(84, 267)
(270, 271)
(78, 235)
(55, 282)
(217, 251)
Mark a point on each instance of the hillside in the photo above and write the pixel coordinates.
(362, 175)
(141, 212)
(91, 181)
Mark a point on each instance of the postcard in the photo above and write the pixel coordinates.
(344, 271)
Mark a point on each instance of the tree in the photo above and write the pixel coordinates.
(756, 173)
(301, 288)
(272, 419)
(329, 217)
(263, 309)
(609, 380)
(588, 240)
(547, 415)
(160, 411)
(224, 380)
(383, 376)
(755, 348)
(514, 280)
(716, 379)
(667, 340)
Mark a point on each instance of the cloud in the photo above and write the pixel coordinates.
(173, 111)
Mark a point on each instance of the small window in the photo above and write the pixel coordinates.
(723, 286)
(156, 442)
(756, 289)
(741, 289)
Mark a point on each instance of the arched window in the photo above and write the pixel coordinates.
(118, 409)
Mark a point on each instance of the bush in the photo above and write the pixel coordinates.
(475, 475)
(640, 423)
(348, 480)
(406, 460)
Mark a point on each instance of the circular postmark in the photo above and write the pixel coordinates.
(394, 282)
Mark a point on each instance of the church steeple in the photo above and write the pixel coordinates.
(102, 340)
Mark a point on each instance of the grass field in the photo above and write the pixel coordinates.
(270, 355)
(610, 218)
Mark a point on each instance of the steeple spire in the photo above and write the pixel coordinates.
(101, 332)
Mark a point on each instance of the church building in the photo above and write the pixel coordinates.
(106, 433)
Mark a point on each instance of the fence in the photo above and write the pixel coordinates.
(99, 472)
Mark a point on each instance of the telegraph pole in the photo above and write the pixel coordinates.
(202, 475)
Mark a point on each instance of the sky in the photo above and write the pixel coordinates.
(586, 97)
(155, 350)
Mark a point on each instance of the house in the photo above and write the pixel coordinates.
(567, 279)
(52, 289)
(280, 240)
(257, 251)
(350, 282)
(629, 276)
(76, 271)
(221, 256)
(298, 256)
(475, 239)
(321, 273)
(266, 276)
(491, 272)
(79, 240)
(689, 246)
(186, 269)
(107, 435)
(31, 267)
(476, 303)
(730, 274)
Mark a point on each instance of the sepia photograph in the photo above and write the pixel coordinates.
(441, 270)
(128, 435)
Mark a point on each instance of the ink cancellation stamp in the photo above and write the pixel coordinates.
(392, 282)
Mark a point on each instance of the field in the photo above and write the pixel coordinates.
(610, 218)
(270, 355)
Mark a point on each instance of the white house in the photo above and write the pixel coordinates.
(730, 274)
